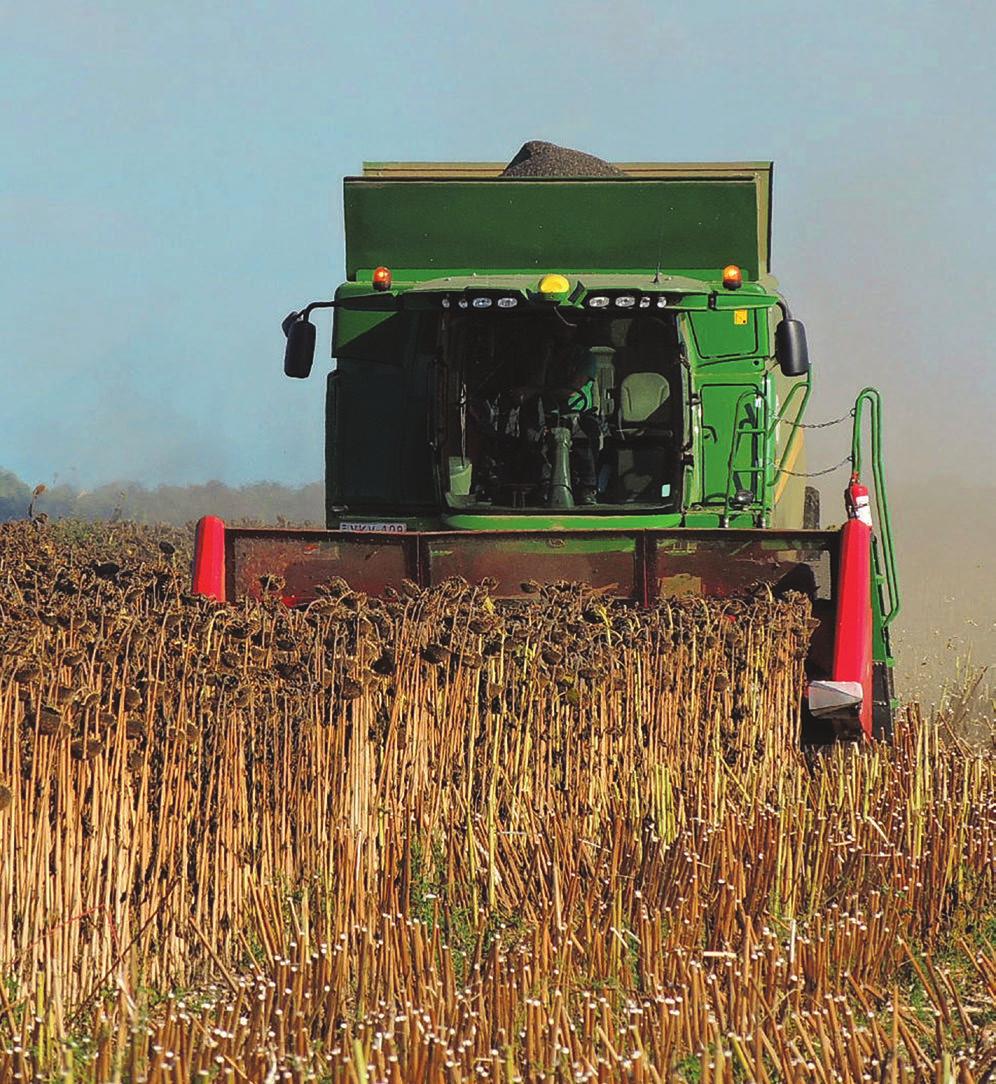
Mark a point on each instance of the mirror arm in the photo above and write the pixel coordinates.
(306, 311)
(293, 317)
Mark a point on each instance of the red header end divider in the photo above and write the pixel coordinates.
(852, 650)
(209, 558)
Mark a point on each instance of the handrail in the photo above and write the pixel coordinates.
(873, 399)
(806, 387)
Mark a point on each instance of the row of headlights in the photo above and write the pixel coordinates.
(482, 302)
(626, 301)
(595, 301)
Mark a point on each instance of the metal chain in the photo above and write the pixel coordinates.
(817, 473)
(821, 425)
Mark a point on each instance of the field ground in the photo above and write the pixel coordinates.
(438, 839)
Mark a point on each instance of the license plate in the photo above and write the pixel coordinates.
(374, 528)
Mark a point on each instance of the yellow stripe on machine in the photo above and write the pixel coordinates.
(795, 448)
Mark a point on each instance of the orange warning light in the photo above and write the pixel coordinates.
(733, 277)
(382, 278)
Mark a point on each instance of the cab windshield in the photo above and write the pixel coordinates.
(549, 411)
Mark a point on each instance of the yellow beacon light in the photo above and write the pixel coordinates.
(554, 287)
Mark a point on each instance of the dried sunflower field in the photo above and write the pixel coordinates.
(442, 838)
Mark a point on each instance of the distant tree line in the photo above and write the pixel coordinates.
(261, 502)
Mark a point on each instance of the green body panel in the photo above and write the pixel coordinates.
(720, 401)
(724, 337)
(365, 401)
(553, 224)
(579, 522)
(548, 522)
(371, 336)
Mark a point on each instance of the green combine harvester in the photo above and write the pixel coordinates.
(590, 378)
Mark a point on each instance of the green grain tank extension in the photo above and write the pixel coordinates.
(588, 377)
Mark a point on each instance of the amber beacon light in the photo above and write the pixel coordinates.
(382, 278)
(733, 277)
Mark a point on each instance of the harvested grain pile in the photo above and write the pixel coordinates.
(440, 838)
(539, 159)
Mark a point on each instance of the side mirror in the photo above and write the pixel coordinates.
(299, 354)
(791, 349)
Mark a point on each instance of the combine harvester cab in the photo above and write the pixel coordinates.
(592, 379)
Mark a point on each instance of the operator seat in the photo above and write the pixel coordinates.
(644, 448)
(643, 405)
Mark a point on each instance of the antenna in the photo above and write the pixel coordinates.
(660, 253)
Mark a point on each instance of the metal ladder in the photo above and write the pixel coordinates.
(756, 429)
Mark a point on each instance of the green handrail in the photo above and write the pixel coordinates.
(806, 387)
(873, 399)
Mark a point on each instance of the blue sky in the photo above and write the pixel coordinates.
(170, 188)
